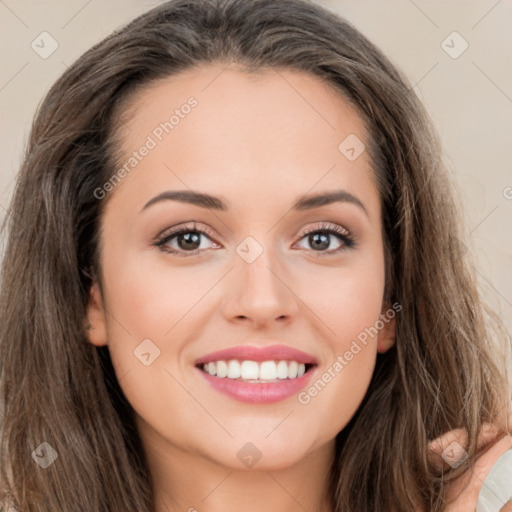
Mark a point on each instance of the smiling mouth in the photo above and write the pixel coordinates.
(257, 372)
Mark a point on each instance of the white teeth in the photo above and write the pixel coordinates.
(233, 370)
(282, 370)
(268, 370)
(222, 369)
(249, 370)
(255, 371)
(292, 370)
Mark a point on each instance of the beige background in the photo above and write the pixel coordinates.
(469, 98)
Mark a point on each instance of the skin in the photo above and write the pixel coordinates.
(259, 142)
(464, 491)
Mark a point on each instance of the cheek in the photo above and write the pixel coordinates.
(149, 299)
(340, 384)
(349, 304)
(149, 311)
(348, 298)
(152, 318)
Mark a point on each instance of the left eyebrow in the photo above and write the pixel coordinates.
(308, 202)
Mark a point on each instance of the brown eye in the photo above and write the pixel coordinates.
(188, 240)
(320, 239)
(185, 241)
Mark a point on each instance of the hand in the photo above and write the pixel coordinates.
(463, 492)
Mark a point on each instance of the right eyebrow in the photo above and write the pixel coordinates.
(191, 197)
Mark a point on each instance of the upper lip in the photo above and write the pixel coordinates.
(258, 353)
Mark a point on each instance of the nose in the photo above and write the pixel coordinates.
(260, 293)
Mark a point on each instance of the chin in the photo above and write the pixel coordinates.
(260, 454)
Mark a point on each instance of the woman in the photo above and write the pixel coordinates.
(234, 280)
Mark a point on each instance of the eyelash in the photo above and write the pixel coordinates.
(343, 234)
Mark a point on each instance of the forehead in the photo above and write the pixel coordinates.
(266, 94)
(276, 129)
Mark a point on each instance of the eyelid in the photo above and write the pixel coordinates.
(189, 226)
(326, 226)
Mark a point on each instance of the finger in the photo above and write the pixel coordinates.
(507, 507)
(487, 434)
(466, 488)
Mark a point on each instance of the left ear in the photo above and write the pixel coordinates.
(386, 336)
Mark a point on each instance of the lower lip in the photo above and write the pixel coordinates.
(258, 393)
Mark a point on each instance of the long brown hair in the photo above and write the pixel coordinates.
(58, 388)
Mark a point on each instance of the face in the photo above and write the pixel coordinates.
(277, 286)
